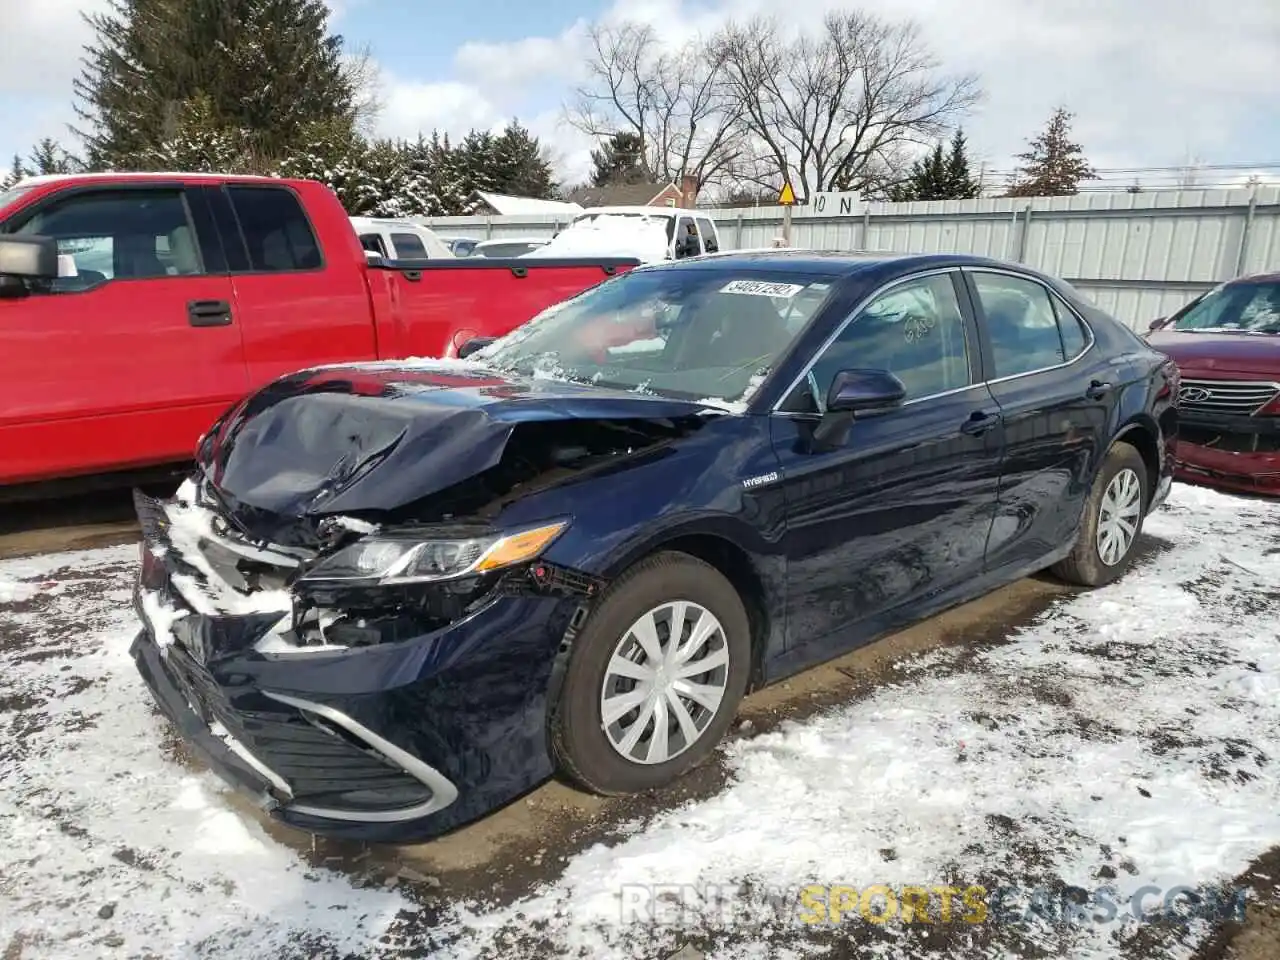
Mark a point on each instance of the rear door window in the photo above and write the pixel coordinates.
(409, 246)
(687, 244)
(1021, 322)
(275, 229)
(708, 231)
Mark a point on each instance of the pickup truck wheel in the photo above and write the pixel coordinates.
(1112, 520)
(654, 678)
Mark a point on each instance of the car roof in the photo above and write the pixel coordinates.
(1256, 278)
(667, 212)
(829, 262)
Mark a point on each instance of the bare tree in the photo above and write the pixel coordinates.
(676, 100)
(839, 110)
(361, 71)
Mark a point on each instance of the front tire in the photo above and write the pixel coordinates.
(655, 677)
(1112, 522)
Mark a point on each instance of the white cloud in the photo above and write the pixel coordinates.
(412, 107)
(1152, 82)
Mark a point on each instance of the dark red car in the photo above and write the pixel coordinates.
(1227, 346)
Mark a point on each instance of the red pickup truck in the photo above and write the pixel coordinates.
(135, 308)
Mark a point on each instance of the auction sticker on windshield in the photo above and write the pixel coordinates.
(762, 288)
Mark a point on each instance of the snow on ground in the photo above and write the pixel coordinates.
(1126, 737)
(94, 816)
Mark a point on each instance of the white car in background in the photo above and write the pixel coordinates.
(398, 239)
(652, 234)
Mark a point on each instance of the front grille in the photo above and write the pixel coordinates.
(1238, 397)
(324, 766)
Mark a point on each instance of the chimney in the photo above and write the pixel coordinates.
(688, 191)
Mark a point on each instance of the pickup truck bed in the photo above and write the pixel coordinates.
(192, 290)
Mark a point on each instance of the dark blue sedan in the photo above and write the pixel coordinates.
(395, 596)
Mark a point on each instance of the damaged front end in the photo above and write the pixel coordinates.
(337, 684)
(351, 610)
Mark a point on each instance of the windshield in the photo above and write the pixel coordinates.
(11, 195)
(691, 334)
(1234, 308)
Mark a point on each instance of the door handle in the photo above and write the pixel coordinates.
(209, 313)
(979, 423)
(1097, 390)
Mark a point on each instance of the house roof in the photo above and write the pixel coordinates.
(517, 206)
(621, 195)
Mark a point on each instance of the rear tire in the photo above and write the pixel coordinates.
(691, 688)
(1112, 520)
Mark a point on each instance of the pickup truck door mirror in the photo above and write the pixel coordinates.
(474, 344)
(26, 258)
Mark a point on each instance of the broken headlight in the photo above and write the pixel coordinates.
(392, 559)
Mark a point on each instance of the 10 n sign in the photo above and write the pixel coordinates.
(837, 205)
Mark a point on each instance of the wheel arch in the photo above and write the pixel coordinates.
(1143, 434)
(720, 544)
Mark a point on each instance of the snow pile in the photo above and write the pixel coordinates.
(611, 235)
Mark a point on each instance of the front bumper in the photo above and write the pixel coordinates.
(393, 742)
(1244, 455)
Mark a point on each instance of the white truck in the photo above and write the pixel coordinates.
(398, 239)
(650, 233)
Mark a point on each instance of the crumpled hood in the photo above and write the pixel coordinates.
(377, 436)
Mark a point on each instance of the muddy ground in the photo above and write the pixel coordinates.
(505, 856)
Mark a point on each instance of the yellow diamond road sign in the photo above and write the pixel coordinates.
(788, 196)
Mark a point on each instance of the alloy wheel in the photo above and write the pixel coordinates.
(1118, 516)
(664, 682)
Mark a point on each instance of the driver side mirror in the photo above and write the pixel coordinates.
(855, 392)
(1157, 324)
(26, 258)
(864, 391)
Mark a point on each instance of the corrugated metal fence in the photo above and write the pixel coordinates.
(1139, 256)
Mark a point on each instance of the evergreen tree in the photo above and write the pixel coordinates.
(620, 160)
(927, 180)
(1055, 164)
(199, 143)
(336, 156)
(448, 176)
(942, 174)
(48, 157)
(517, 166)
(415, 194)
(960, 184)
(15, 173)
(474, 164)
(265, 71)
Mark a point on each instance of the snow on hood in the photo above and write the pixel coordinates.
(611, 235)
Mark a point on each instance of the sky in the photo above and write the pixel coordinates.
(1152, 82)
